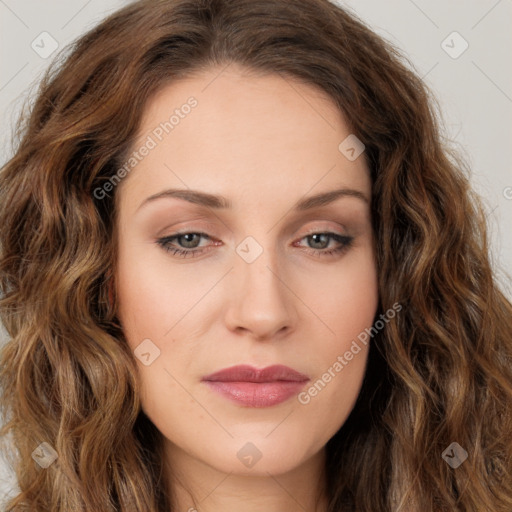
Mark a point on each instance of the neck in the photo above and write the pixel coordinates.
(199, 487)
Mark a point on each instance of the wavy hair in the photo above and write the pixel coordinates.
(440, 372)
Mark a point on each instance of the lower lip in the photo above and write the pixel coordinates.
(257, 394)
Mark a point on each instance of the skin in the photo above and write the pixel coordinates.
(264, 142)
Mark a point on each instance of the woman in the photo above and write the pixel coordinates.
(179, 339)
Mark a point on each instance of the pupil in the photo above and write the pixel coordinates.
(187, 238)
(316, 238)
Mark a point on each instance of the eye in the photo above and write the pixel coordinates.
(189, 242)
(322, 239)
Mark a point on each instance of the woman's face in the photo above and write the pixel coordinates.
(254, 285)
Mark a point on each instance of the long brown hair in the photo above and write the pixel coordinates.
(440, 373)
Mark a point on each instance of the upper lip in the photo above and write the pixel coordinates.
(246, 373)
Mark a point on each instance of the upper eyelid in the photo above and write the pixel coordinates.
(203, 233)
(213, 226)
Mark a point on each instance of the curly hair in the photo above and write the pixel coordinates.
(441, 372)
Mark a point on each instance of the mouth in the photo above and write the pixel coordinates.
(252, 387)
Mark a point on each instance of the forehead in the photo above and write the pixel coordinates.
(245, 130)
(238, 94)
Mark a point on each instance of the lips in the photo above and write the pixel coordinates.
(245, 373)
(252, 387)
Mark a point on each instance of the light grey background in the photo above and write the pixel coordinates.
(474, 89)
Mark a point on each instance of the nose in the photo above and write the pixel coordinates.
(262, 305)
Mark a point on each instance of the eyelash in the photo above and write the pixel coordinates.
(165, 243)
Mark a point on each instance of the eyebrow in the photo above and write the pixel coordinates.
(221, 202)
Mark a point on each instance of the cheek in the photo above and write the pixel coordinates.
(156, 302)
(344, 298)
(346, 304)
(151, 294)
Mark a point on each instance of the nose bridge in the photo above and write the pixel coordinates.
(261, 303)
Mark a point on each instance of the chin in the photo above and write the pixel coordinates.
(259, 457)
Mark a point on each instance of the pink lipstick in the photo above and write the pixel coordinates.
(254, 387)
